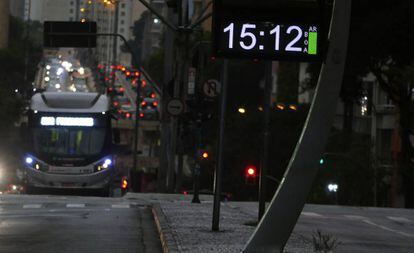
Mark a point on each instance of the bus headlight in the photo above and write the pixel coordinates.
(103, 164)
(35, 164)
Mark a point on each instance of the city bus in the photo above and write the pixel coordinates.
(69, 142)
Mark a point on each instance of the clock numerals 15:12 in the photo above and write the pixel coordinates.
(248, 39)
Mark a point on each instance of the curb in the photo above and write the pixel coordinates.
(169, 244)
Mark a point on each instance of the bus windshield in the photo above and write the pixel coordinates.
(69, 141)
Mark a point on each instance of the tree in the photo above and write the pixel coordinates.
(12, 62)
(137, 43)
(381, 44)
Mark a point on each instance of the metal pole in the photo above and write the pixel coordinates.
(197, 166)
(115, 42)
(220, 147)
(264, 164)
(77, 10)
(275, 227)
(26, 48)
(373, 162)
(165, 118)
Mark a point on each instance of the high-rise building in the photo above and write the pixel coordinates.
(103, 12)
(51, 10)
(17, 8)
(4, 23)
(153, 30)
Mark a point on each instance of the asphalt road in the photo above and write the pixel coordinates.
(361, 229)
(358, 229)
(30, 223)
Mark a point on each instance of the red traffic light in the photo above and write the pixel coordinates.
(205, 155)
(251, 171)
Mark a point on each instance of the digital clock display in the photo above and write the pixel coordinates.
(270, 40)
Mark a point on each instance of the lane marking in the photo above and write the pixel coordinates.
(399, 219)
(120, 206)
(388, 229)
(311, 214)
(355, 217)
(32, 206)
(73, 205)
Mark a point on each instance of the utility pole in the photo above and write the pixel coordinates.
(220, 147)
(77, 16)
(165, 119)
(265, 158)
(115, 42)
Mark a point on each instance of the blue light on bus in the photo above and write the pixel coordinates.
(29, 160)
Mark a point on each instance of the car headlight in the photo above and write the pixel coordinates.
(35, 164)
(103, 164)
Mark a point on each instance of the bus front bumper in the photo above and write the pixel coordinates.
(98, 180)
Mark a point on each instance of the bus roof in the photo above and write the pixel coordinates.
(70, 102)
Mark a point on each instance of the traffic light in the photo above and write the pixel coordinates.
(250, 175)
(203, 154)
(321, 161)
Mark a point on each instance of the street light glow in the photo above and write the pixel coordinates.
(280, 107)
(332, 187)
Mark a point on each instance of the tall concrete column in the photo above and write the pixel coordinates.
(4, 23)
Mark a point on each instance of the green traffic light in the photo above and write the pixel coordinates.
(321, 161)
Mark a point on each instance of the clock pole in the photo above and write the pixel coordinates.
(274, 229)
(264, 164)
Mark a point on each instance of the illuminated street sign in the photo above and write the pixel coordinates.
(273, 32)
(69, 34)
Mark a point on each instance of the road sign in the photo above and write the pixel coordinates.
(175, 107)
(191, 81)
(69, 34)
(211, 88)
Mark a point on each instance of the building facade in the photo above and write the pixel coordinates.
(4, 23)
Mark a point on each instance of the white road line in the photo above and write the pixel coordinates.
(399, 219)
(32, 206)
(389, 229)
(311, 214)
(120, 206)
(355, 217)
(75, 205)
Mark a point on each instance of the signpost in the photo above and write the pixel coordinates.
(211, 88)
(191, 81)
(69, 34)
(175, 107)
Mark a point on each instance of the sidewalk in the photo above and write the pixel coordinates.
(186, 227)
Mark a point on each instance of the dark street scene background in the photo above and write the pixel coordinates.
(123, 127)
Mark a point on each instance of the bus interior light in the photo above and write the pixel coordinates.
(67, 121)
(47, 121)
(74, 121)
